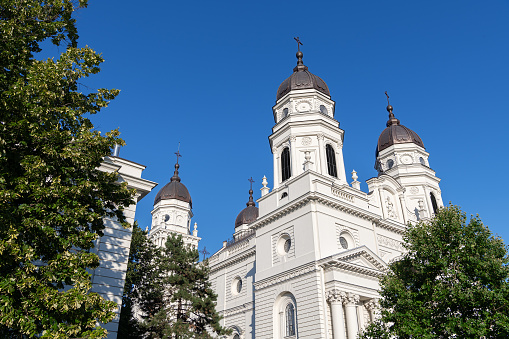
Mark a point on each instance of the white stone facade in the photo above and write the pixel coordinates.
(309, 264)
(113, 248)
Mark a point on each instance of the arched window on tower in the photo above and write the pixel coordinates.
(290, 320)
(434, 202)
(286, 171)
(331, 161)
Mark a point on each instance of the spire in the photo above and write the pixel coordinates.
(251, 201)
(300, 64)
(392, 120)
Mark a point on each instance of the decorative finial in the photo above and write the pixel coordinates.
(300, 64)
(175, 176)
(392, 120)
(251, 201)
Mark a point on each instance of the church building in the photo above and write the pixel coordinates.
(305, 262)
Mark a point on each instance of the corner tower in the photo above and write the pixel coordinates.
(305, 136)
(172, 213)
(402, 159)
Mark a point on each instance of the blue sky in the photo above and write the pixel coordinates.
(205, 74)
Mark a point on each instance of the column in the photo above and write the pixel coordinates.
(352, 326)
(321, 152)
(371, 306)
(293, 156)
(340, 163)
(276, 166)
(336, 298)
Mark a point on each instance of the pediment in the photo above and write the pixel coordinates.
(360, 259)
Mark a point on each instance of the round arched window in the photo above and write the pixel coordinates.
(290, 320)
(421, 160)
(239, 286)
(236, 336)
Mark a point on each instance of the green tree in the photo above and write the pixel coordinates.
(452, 282)
(175, 297)
(53, 198)
(139, 268)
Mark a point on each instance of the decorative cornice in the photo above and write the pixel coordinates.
(238, 309)
(282, 277)
(233, 260)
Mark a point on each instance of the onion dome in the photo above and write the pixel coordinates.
(248, 214)
(395, 133)
(301, 79)
(174, 190)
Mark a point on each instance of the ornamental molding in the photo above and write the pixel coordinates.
(306, 141)
(240, 245)
(352, 299)
(372, 304)
(341, 194)
(335, 295)
(283, 277)
(346, 266)
(233, 260)
(389, 242)
(236, 310)
(390, 225)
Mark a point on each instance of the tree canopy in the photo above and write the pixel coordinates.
(171, 292)
(53, 197)
(452, 282)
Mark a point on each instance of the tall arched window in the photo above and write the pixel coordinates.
(286, 171)
(290, 320)
(433, 202)
(331, 161)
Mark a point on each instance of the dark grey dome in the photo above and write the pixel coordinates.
(301, 79)
(174, 190)
(248, 214)
(395, 133)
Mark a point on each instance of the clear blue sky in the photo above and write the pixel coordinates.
(205, 74)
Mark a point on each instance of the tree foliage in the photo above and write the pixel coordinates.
(452, 282)
(174, 295)
(53, 198)
(139, 268)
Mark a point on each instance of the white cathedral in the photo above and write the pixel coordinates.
(305, 263)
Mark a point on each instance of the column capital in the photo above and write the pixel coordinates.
(371, 304)
(293, 138)
(335, 295)
(351, 299)
(320, 136)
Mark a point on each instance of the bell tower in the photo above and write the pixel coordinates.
(401, 156)
(172, 212)
(306, 136)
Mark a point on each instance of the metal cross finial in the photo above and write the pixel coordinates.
(251, 181)
(298, 43)
(387, 95)
(204, 252)
(178, 153)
